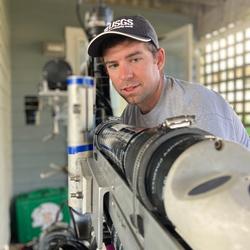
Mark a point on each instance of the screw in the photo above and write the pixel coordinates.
(218, 144)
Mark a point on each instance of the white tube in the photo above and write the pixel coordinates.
(79, 141)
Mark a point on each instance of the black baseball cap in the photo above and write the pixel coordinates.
(135, 27)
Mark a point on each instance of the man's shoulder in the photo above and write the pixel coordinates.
(195, 97)
(184, 90)
(185, 86)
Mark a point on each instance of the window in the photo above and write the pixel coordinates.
(225, 66)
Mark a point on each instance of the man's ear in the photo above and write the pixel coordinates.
(161, 58)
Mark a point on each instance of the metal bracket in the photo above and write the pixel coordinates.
(179, 121)
(100, 188)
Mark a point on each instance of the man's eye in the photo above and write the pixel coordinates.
(112, 66)
(135, 59)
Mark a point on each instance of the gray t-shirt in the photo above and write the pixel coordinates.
(212, 113)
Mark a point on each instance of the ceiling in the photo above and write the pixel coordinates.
(189, 8)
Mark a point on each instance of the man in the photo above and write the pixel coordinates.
(135, 64)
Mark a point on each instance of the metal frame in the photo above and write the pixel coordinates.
(107, 180)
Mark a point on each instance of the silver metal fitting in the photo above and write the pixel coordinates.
(77, 195)
(179, 121)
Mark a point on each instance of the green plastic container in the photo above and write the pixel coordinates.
(38, 209)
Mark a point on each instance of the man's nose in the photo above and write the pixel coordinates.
(126, 72)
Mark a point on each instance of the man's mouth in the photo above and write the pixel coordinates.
(129, 89)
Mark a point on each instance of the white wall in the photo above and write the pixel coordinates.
(5, 125)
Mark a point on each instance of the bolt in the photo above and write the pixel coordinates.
(218, 144)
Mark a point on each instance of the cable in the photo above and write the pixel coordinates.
(58, 212)
(77, 234)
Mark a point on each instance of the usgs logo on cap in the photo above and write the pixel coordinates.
(121, 23)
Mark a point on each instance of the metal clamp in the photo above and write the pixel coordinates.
(179, 121)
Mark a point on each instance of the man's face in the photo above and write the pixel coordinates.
(135, 73)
